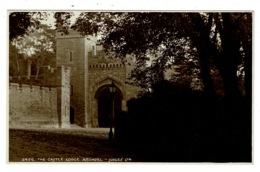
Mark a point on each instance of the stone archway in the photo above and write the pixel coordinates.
(104, 102)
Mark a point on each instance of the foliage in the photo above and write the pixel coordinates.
(14, 57)
(22, 23)
(23, 41)
(193, 43)
(38, 48)
(62, 21)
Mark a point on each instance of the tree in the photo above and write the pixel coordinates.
(219, 39)
(232, 28)
(37, 48)
(62, 22)
(14, 57)
(22, 23)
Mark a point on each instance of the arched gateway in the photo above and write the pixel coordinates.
(105, 105)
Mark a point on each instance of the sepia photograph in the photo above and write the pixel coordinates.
(130, 86)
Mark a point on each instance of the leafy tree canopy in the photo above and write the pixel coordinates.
(23, 23)
(30, 40)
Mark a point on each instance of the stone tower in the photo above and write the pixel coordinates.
(91, 75)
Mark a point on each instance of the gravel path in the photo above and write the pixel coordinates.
(63, 145)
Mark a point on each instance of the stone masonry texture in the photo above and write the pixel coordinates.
(33, 106)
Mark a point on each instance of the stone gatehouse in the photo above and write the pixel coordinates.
(91, 74)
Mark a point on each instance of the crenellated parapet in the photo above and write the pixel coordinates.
(106, 65)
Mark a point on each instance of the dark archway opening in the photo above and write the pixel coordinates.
(72, 115)
(105, 104)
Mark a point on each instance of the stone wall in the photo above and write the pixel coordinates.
(32, 106)
(42, 106)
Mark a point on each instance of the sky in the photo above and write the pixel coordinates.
(51, 20)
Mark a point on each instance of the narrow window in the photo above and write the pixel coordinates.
(70, 56)
(71, 90)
